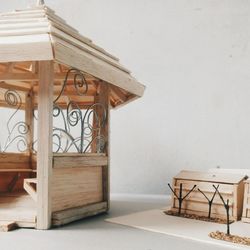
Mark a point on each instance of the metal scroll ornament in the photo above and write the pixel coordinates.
(16, 131)
(78, 120)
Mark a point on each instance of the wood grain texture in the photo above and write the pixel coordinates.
(17, 207)
(103, 98)
(227, 178)
(44, 152)
(23, 32)
(69, 215)
(79, 161)
(246, 202)
(73, 56)
(74, 187)
(196, 203)
(25, 47)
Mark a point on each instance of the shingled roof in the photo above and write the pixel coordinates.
(37, 33)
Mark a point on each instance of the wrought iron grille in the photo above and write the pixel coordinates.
(80, 127)
(14, 135)
(77, 128)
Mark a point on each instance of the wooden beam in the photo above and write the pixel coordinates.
(44, 152)
(29, 120)
(18, 77)
(18, 86)
(79, 161)
(70, 90)
(72, 214)
(87, 63)
(105, 131)
(29, 76)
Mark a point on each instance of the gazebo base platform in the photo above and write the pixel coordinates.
(19, 208)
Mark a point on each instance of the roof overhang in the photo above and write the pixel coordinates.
(38, 34)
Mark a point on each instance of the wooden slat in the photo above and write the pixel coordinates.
(13, 158)
(238, 199)
(210, 191)
(79, 161)
(2, 170)
(28, 76)
(103, 98)
(206, 186)
(22, 47)
(44, 152)
(29, 120)
(69, 215)
(18, 86)
(64, 39)
(73, 56)
(210, 177)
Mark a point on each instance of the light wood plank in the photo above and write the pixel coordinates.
(22, 47)
(104, 95)
(74, 187)
(44, 152)
(79, 161)
(70, 55)
(69, 215)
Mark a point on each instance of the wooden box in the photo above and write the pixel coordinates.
(230, 186)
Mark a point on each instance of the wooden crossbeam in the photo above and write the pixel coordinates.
(28, 76)
(18, 86)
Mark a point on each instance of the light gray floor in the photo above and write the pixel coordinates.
(96, 234)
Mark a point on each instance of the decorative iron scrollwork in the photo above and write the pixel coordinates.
(76, 117)
(18, 131)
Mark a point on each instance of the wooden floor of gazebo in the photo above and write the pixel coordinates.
(18, 207)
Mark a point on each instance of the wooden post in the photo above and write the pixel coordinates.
(105, 131)
(29, 121)
(44, 152)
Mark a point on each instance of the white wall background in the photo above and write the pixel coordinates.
(193, 55)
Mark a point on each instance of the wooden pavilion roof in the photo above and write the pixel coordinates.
(37, 34)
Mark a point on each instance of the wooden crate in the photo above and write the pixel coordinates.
(246, 203)
(231, 187)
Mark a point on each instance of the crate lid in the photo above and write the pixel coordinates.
(215, 177)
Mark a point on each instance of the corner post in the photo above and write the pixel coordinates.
(44, 149)
(105, 131)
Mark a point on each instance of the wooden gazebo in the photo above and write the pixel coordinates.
(56, 91)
